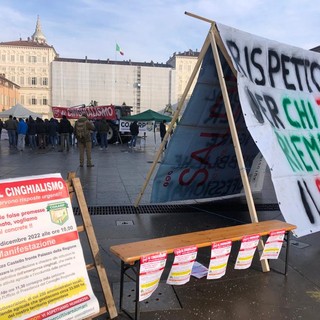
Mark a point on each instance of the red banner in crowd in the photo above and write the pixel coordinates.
(98, 112)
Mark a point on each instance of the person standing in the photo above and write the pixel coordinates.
(134, 130)
(32, 130)
(64, 130)
(41, 133)
(103, 129)
(94, 132)
(52, 131)
(83, 128)
(163, 131)
(11, 127)
(22, 131)
(1, 127)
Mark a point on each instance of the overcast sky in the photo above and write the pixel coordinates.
(154, 29)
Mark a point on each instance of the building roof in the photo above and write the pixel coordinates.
(114, 62)
(25, 43)
(3, 78)
(189, 53)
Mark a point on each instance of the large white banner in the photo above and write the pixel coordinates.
(279, 90)
(275, 101)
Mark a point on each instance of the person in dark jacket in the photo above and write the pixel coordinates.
(163, 131)
(134, 130)
(64, 130)
(52, 132)
(11, 126)
(41, 133)
(103, 129)
(1, 127)
(32, 133)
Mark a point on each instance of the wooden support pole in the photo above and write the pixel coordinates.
(88, 227)
(235, 140)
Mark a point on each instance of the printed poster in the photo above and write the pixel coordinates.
(247, 249)
(151, 268)
(184, 259)
(42, 270)
(273, 245)
(220, 252)
(144, 126)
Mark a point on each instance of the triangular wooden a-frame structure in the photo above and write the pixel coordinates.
(213, 39)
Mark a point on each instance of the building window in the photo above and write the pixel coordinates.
(22, 99)
(32, 59)
(44, 81)
(34, 81)
(22, 59)
(33, 101)
(44, 101)
(12, 58)
(44, 59)
(3, 58)
(22, 81)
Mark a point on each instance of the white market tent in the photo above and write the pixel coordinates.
(19, 111)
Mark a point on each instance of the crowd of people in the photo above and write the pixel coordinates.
(50, 133)
(61, 134)
(37, 133)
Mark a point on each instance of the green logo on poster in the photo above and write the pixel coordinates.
(58, 212)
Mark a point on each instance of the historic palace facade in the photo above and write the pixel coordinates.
(44, 79)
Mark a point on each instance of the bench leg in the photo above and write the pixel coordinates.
(121, 284)
(287, 237)
(136, 269)
(137, 311)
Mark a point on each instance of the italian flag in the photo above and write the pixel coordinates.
(119, 49)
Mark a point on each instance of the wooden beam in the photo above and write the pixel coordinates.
(87, 224)
(174, 118)
(236, 143)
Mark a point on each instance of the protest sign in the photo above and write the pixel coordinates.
(42, 269)
(151, 268)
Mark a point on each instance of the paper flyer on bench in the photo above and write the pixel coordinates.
(247, 250)
(182, 265)
(220, 252)
(273, 245)
(43, 274)
(151, 268)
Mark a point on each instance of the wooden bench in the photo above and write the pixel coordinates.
(130, 253)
